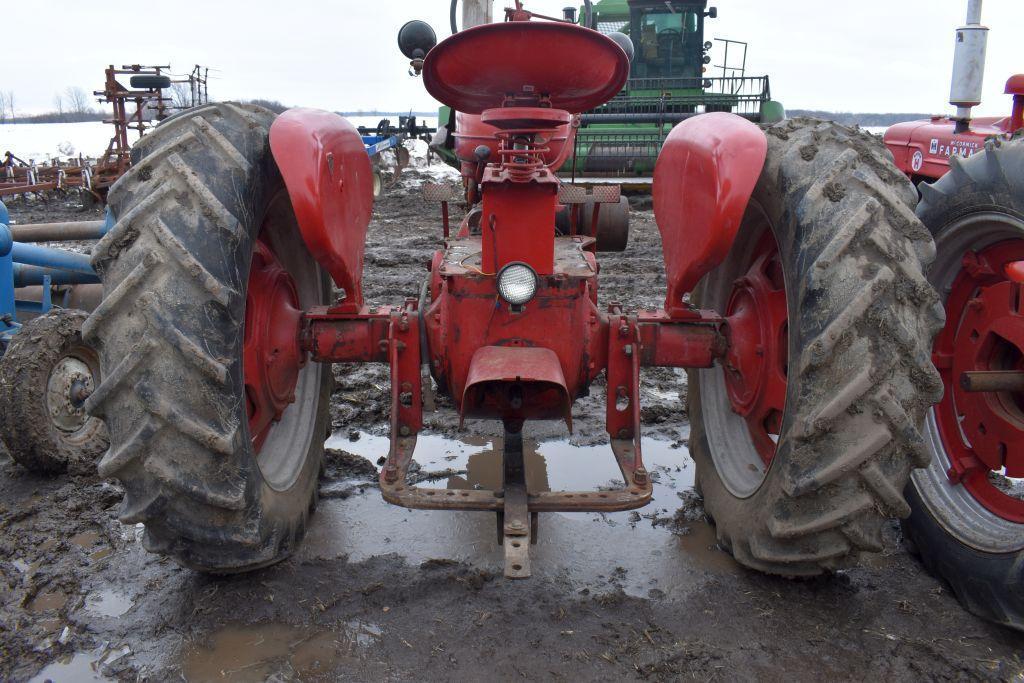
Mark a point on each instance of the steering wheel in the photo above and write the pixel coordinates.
(667, 41)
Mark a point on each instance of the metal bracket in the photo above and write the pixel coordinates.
(599, 194)
(438, 192)
(442, 193)
(575, 196)
(623, 409)
(515, 517)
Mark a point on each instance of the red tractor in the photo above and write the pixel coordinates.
(796, 298)
(968, 504)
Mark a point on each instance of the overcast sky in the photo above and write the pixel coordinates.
(870, 55)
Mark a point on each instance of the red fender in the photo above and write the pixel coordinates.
(327, 172)
(704, 177)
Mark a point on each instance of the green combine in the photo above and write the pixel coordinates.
(671, 80)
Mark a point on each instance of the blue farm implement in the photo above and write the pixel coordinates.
(46, 370)
(388, 138)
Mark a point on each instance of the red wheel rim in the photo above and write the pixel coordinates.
(983, 432)
(756, 364)
(271, 353)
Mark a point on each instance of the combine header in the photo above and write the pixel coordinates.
(795, 298)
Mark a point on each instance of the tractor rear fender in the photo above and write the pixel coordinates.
(330, 183)
(703, 180)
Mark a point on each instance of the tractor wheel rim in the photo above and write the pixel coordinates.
(758, 334)
(272, 356)
(984, 335)
(983, 433)
(70, 379)
(281, 389)
(740, 463)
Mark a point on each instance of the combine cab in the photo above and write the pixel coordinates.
(968, 504)
(671, 79)
(795, 298)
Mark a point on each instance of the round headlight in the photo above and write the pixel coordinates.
(517, 283)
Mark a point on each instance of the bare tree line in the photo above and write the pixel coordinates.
(73, 101)
(73, 104)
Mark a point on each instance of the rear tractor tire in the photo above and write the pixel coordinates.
(971, 532)
(805, 436)
(45, 377)
(216, 421)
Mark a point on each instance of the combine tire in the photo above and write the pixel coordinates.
(971, 533)
(45, 377)
(806, 435)
(202, 269)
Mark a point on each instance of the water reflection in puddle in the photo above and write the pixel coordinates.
(257, 652)
(550, 465)
(108, 603)
(657, 551)
(80, 666)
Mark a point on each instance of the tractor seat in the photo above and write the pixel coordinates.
(548, 64)
(1015, 85)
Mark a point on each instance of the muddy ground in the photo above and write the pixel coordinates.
(379, 592)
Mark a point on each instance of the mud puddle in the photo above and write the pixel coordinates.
(108, 603)
(242, 652)
(82, 666)
(644, 551)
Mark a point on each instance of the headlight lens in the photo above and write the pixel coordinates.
(517, 283)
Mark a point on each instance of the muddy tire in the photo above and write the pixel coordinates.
(175, 270)
(378, 183)
(44, 377)
(612, 223)
(857, 370)
(977, 549)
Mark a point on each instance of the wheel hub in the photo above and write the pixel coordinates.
(70, 382)
(758, 333)
(272, 355)
(983, 430)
